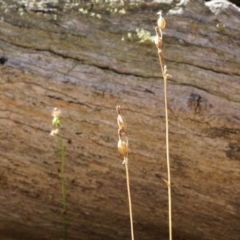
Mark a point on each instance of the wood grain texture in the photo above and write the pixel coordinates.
(79, 63)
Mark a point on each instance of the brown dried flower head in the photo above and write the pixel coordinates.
(121, 121)
(158, 42)
(161, 21)
(123, 147)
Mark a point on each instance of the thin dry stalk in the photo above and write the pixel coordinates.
(158, 41)
(123, 149)
(129, 198)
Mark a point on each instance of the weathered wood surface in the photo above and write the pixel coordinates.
(78, 63)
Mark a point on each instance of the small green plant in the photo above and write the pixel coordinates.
(140, 36)
(123, 149)
(61, 151)
(144, 36)
(161, 23)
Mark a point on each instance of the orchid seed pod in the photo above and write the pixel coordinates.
(121, 121)
(123, 147)
(158, 42)
(161, 21)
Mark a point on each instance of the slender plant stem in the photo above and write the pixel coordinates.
(129, 198)
(167, 149)
(62, 177)
(161, 66)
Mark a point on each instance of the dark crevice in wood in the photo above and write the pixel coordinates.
(3, 60)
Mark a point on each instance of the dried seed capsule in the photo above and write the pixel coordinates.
(121, 121)
(123, 147)
(161, 21)
(158, 42)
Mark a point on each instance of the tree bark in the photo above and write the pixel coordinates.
(87, 59)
